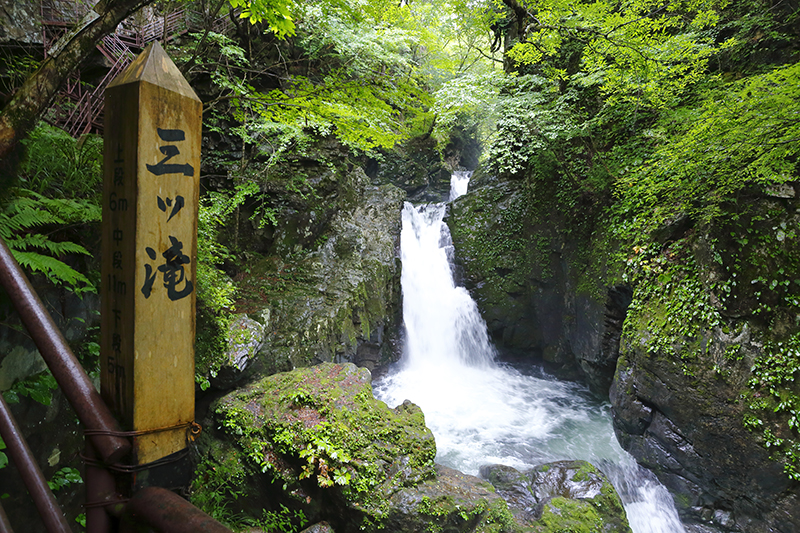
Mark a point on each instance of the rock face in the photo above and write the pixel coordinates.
(416, 167)
(348, 304)
(707, 375)
(527, 276)
(702, 343)
(688, 430)
(18, 23)
(562, 496)
(316, 440)
(245, 337)
(337, 298)
(704, 393)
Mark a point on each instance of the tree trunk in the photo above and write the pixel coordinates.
(34, 97)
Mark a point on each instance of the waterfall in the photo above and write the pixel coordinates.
(483, 412)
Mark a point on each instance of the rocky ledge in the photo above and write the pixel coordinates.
(314, 443)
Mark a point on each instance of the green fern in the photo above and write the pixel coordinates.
(29, 211)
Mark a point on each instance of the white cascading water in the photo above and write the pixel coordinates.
(482, 412)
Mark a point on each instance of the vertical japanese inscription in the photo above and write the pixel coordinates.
(117, 275)
(149, 251)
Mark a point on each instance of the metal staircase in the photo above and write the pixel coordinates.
(79, 110)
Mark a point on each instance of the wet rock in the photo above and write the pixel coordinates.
(414, 166)
(245, 336)
(682, 417)
(515, 489)
(452, 501)
(320, 527)
(19, 23)
(561, 496)
(315, 439)
(341, 301)
(527, 275)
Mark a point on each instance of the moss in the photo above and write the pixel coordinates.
(321, 428)
(562, 515)
(585, 472)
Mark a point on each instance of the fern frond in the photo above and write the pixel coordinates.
(23, 218)
(56, 271)
(42, 242)
(29, 210)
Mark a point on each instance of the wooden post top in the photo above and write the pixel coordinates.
(154, 66)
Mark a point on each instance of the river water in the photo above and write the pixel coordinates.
(484, 412)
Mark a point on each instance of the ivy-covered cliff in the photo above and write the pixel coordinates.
(638, 227)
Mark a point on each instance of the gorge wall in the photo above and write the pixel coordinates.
(684, 364)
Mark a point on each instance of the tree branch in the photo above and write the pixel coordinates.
(36, 94)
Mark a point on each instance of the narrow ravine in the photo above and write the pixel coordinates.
(484, 412)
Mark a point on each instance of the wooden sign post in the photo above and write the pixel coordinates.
(150, 202)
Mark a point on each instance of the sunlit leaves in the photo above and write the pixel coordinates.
(275, 13)
(530, 117)
(745, 136)
(469, 101)
(647, 53)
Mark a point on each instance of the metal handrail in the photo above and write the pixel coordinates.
(5, 525)
(37, 486)
(68, 372)
(158, 508)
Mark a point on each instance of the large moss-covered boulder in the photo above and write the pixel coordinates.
(317, 441)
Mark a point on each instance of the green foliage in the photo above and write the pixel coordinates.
(30, 211)
(643, 56)
(3, 456)
(277, 14)
(775, 393)
(59, 166)
(531, 117)
(64, 477)
(38, 388)
(16, 67)
(468, 101)
(671, 309)
(61, 179)
(285, 520)
(217, 484)
(360, 95)
(326, 461)
(215, 291)
(743, 139)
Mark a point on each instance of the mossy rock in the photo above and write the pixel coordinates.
(453, 501)
(318, 442)
(319, 436)
(338, 302)
(564, 496)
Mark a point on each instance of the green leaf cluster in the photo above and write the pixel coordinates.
(38, 388)
(21, 222)
(744, 138)
(775, 392)
(59, 191)
(644, 55)
(277, 14)
(64, 477)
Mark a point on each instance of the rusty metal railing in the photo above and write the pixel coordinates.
(37, 486)
(158, 508)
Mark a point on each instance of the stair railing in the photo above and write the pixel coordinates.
(152, 506)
